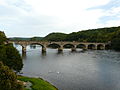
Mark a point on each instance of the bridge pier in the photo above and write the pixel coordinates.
(60, 49)
(73, 48)
(24, 48)
(95, 47)
(43, 49)
(86, 47)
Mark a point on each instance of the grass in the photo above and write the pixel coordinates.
(37, 83)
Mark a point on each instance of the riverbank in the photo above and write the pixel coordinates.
(37, 83)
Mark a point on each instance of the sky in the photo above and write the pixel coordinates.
(28, 18)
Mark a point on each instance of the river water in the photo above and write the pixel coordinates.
(81, 70)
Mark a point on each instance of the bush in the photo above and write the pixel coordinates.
(8, 79)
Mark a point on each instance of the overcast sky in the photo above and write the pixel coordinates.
(27, 18)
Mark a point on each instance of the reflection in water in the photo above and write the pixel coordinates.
(24, 55)
(43, 55)
(81, 70)
(60, 52)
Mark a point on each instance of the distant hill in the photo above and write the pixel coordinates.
(55, 37)
(19, 39)
(91, 35)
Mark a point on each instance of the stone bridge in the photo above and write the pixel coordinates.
(61, 45)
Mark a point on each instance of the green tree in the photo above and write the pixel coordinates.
(14, 60)
(8, 79)
(11, 57)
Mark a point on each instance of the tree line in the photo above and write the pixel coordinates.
(92, 35)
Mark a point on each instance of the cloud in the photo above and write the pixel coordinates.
(70, 12)
(111, 13)
(40, 17)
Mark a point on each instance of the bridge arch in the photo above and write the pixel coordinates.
(81, 46)
(100, 47)
(53, 45)
(68, 45)
(22, 46)
(36, 44)
(91, 46)
(71, 46)
(43, 46)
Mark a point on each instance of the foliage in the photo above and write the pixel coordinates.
(8, 79)
(11, 57)
(116, 41)
(2, 37)
(14, 60)
(93, 35)
(37, 83)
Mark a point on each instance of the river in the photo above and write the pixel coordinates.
(81, 70)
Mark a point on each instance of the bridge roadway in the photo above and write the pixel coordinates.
(61, 45)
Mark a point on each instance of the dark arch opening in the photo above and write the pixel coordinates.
(100, 47)
(35, 45)
(68, 46)
(53, 45)
(91, 46)
(107, 47)
(81, 46)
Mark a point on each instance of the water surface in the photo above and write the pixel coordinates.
(81, 70)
